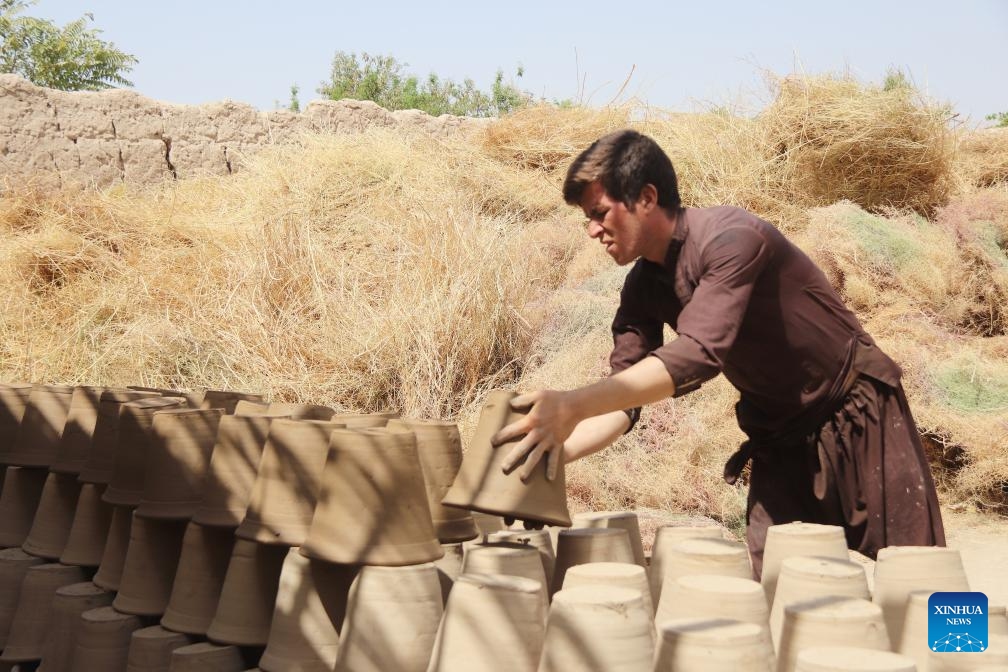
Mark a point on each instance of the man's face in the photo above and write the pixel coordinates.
(613, 224)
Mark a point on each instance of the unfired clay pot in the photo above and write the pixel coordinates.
(618, 574)
(149, 569)
(391, 619)
(14, 564)
(914, 641)
(226, 400)
(105, 439)
(364, 420)
(151, 648)
(705, 556)
(75, 441)
(13, 400)
(301, 411)
(507, 558)
(53, 517)
(851, 659)
(713, 645)
(26, 639)
(19, 499)
(626, 520)
(67, 606)
(791, 539)
(830, 621)
(714, 596)
(89, 530)
(113, 556)
(193, 399)
(449, 566)
(103, 640)
(537, 539)
(245, 608)
(993, 659)
(206, 657)
(997, 622)
(250, 408)
(372, 508)
(203, 563)
(580, 545)
(486, 523)
(482, 485)
(665, 537)
(598, 628)
(38, 437)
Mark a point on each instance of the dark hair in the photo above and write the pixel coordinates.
(623, 161)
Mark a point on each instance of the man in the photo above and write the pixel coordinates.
(830, 435)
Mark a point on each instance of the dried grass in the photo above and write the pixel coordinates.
(982, 160)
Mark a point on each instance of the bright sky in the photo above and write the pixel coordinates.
(683, 54)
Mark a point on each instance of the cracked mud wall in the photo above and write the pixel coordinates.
(59, 139)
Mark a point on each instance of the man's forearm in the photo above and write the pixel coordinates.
(593, 434)
(644, 383)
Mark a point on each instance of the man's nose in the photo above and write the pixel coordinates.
(594, 229)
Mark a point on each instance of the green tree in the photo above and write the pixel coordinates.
(71, 58)
(999, 118)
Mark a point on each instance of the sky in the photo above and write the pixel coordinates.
(677, 55)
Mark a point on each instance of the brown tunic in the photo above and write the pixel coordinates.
(830, 434)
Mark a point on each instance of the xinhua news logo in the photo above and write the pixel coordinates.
(957, 622)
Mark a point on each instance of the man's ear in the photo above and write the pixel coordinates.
(648, 198)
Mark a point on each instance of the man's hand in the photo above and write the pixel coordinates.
(549, 422)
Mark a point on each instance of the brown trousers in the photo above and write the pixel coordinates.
(864, 470)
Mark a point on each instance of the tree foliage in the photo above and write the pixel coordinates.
(71, 57)
(383, 79)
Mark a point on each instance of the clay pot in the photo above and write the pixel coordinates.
(105, 439)
(791, 539)
(372, 508)
(997, 623)
(113, 557)
(234, 464)
(713, 645)
(714, 596)
(704, 556)
(625, 520)
(852, 659)
(311, 600)
(805, 578)
(667, 536)
(206, 657)
(509, 559)
(364, 420)
(449, 566)
(914, 642)
(13, 400)
(67, 606)
(900, 570)
(226, 400)
(26, 639)
(537, 539)
(14, 564)
(287, 484)
(598, 628)
(149, 569)
(103, 640)
(993, 659)
(151, 648)
(245, 608)
(38, 436)
(487, 524)
(581, 545)
(617, 574)
(482, 485)
(830, 621)
(301, 411)
(178, 462)
(19, 500)
(53, 517)
(75, 441)
(136, 433)
(250, 408)
(391, 619)
(203, 563)
(440, 450)
(193, 399)
(89, 530)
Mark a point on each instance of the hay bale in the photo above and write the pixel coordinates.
(983, 158)
(836, 139)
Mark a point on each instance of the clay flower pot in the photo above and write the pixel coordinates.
(14, 564)
(287, 484)
(804, 578)
(245, 608)
(226, 400)
(113, 556)
(193, 399)
(151, 648)
(38, 437)
(537, 539)
(149, 569)
(364, 420)
(791, 539)
(617, 574)
(482, 485)
(852, 659)
(250, 408)
(704, 556)
(89, 530)
(19, 499)
(997, 623)
(449, 566)
(581, 545)
(625, 520)
(53, 517)
(667, 536)
(372, 508)
(487, 524)
(598, 628)
(75, 441)
(301, 411)
(103, 640)
(830, 621)
(391, 619)
(440, 450)
(13, 400)
(178, 462)
(97, 468)
(206, 657)
(26, 639)
(713, 645)
(714, 596)
(136, 433)
(67, 606)
(510, 559)
(199, 578)
(914, 642)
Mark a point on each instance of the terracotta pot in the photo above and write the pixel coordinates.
(372, 508)
(714, 596)
(136, 434)
(203, 563)
(75, 440)
(510, 559)
(103, 640)
(287, 484)
(598, 628)
(993, 659)
(32, 618)
(705, 556)
(89, 530)
(301, 411)
(19, 500)
(581, 545)
(852, 659)
(804, 578)
(537, 539)
(449, 566)
(616, 574)
(13, 400)
(206, 657)
(234, 464)
(67, 606)
(54, 516)
(113, 557)
(14, 564)
(226, 400)
(105, 439)
(830, 621)
(178, 462)
(667, 536)
(151, 648)
(492, 622)
(482, 485)
(795, 539)
(245, 608)
(311, 600)
(38, 436)
(149, 569)
(713, 645)
(900, 570)
(391, 620)
(624, 520)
